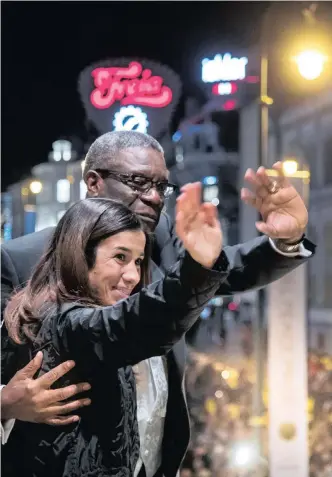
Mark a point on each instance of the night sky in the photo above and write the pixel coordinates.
(46, 45)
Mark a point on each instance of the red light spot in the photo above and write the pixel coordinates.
(232, 306)
(229, 105)
(234, 88)
(215, 89)
(252, 79)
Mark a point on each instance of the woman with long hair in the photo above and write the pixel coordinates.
(89, 300)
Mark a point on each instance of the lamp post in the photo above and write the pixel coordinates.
(310, 65)
(287, 358)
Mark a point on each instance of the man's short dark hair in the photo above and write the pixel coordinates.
(106, 148)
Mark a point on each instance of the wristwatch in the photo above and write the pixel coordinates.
(288, 247)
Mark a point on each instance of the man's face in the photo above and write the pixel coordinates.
(146, 162)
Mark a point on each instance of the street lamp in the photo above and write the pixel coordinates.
(36, 187)
(290, 166)
(310, 64)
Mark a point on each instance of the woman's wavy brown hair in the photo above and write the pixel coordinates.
(61, 276)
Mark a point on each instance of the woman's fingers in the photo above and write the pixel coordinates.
(210, 213)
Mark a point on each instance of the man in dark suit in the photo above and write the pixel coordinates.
(130, 167)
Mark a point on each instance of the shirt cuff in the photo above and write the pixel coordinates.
(302, 252)
(6, 428)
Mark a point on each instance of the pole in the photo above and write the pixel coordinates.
(288, 373)
(259, 335)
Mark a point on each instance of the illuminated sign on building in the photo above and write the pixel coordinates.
(125, 94)
(130, 118)
(132, 85)
(226, 68)
(224, 89)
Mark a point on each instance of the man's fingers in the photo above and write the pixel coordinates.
(256, 182)
(46, 381)
(266, 229)
(278, 166)
(31, 368)
(68, 407)
(263, 177)
(250, 198)
(61, 420)
(283, 179)
(58, 395)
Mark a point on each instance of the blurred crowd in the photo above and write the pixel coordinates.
(222, 434)
(320, 415)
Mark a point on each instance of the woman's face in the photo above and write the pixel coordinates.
(117, 268)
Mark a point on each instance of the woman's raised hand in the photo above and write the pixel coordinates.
(197, 225)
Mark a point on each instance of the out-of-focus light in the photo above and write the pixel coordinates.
(210, 180)
(217, 301)
(211, 192)
(233, 306)
(225, 374)
(252, 79)
(57, 156)
(206, 313)
(83, 165)
(179, 155)
(310, 64)
(25, 191)
(66, 155)
(177, 136)
(215, 201)
(243, 456)
(224, 89)
(229, 105)
(218, 394)
(290, 167)
(83, 189)
(36, 187)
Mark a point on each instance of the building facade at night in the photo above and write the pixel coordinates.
(306, 132)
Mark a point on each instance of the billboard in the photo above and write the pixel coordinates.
(129, 94)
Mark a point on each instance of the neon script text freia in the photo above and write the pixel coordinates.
(129, 85)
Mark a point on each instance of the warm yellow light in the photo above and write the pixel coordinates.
(225, 374)
(310, 64)
(36, 187)
(290, 167)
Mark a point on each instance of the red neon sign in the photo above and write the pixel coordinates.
(131, 85)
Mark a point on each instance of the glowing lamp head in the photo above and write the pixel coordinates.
(290, 167)
(36, 187)
(310, 64)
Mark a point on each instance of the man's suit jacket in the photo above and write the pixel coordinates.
(252, 265)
